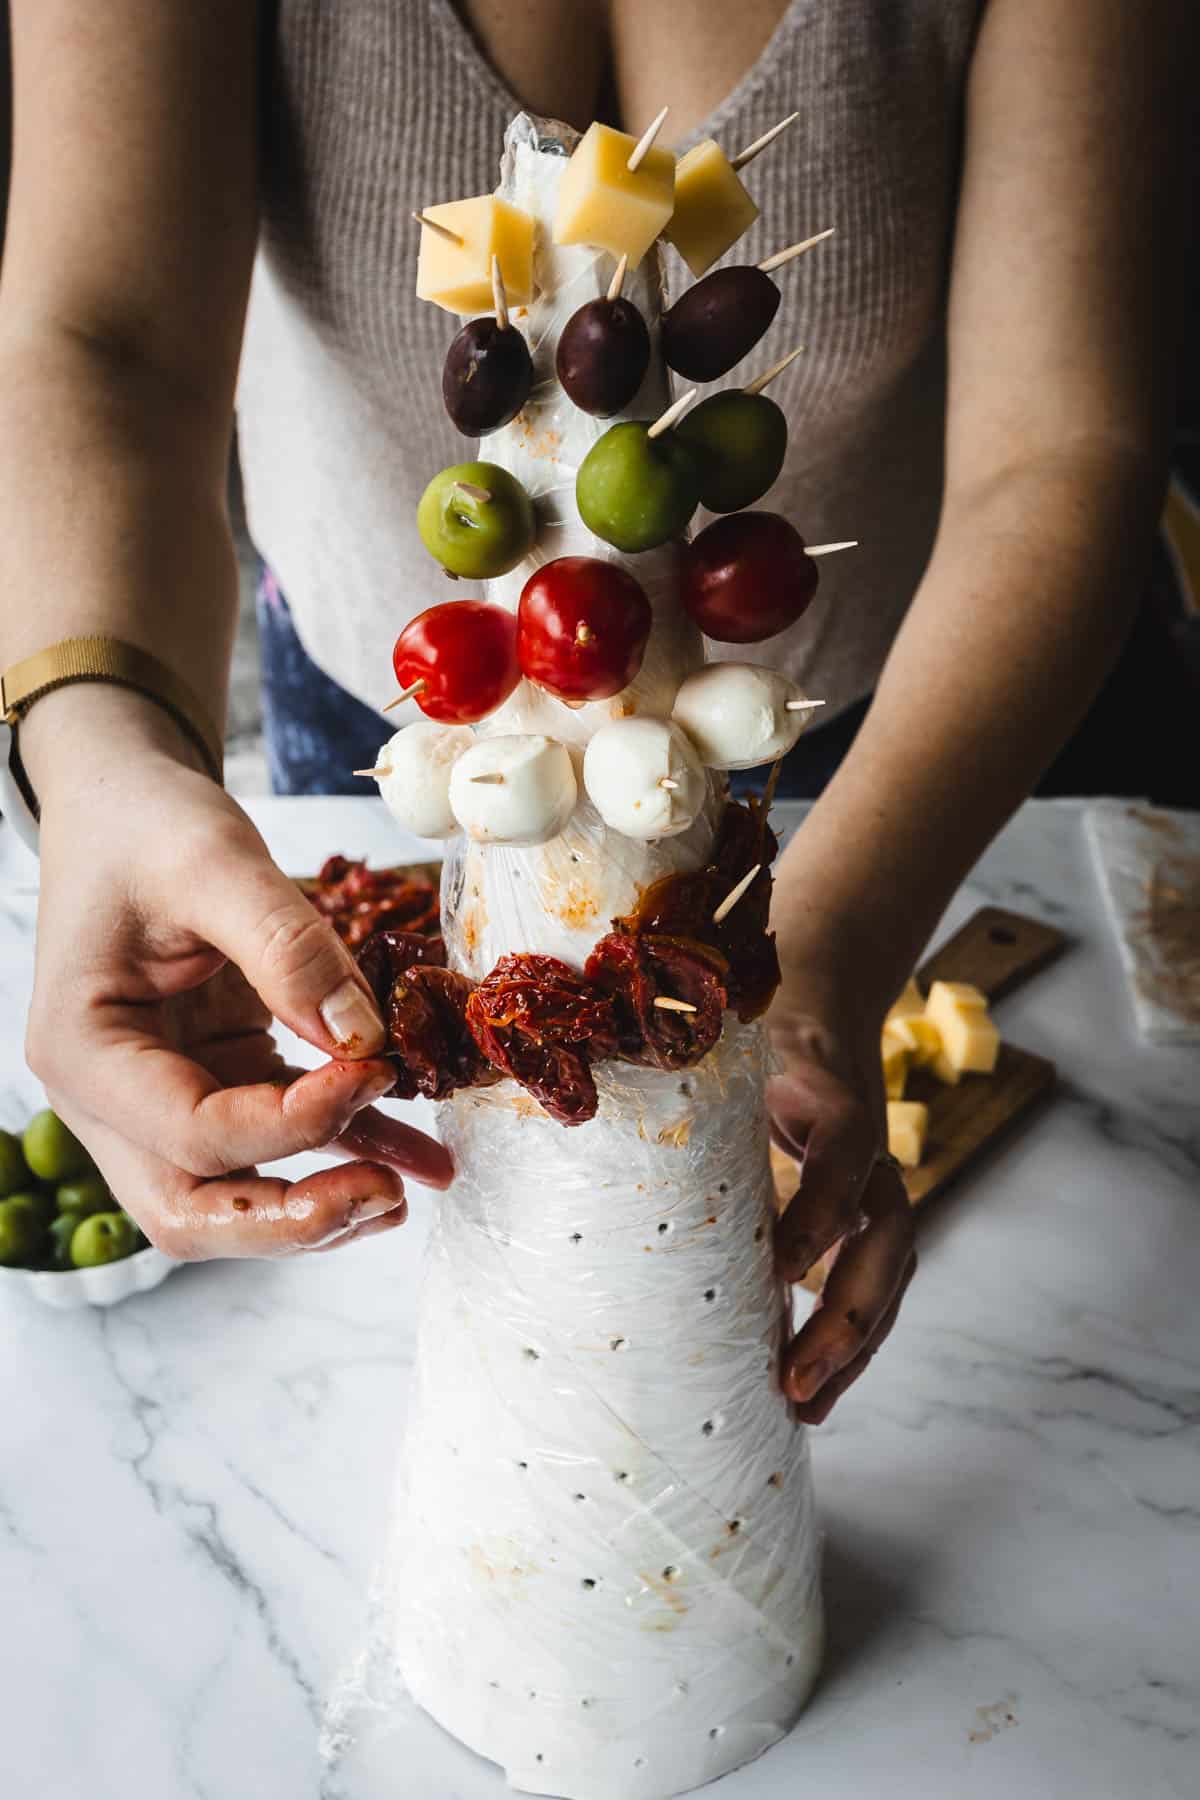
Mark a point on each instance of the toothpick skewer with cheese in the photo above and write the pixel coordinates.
(713, 208)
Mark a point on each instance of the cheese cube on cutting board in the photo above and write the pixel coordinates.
(712, 208)
(907, 1124)
(458, 276)
(895, 1067)
(969, 1039)
(907, 1026)
(601, 203)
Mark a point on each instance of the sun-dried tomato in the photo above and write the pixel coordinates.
(429, 1043)
(754, 975)
(541, 1023)
(743, 839)
(385, 956)
(358, 900)
(637, 971)
(682, 906)
(677, 906)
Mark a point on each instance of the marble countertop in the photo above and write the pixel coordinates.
(194, 1487)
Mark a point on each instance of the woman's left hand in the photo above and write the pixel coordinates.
(828, 1111)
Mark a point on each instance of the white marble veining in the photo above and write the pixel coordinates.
(194, 1486)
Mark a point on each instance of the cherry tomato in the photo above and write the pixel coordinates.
(582, 627)
(746, 577)
(465, 654)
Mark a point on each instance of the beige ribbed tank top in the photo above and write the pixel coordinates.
(377, 106)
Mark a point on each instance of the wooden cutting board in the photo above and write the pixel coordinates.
(995, 950)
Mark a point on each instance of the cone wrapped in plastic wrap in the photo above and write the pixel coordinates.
(605, 1569)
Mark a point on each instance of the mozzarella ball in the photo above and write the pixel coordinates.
(624, 768)
(514, 790)
(736, 714)
(415, 783)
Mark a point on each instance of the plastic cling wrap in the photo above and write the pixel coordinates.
(611, 1576)
(604, 1574)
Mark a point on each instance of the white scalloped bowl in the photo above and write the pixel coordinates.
(107, 1285)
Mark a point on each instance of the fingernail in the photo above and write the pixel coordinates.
(351, 1019)
(374, 1206)
(375, 1087)
(374, 1227)
(810, 1378)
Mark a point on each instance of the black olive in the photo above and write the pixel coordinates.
(603, 355)
(718, 321)
(487, 377)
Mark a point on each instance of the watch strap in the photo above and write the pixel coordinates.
(111, 660)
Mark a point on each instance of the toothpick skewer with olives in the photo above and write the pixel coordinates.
(604, 351)
(721, 317)
(740, 438)
(488, 371)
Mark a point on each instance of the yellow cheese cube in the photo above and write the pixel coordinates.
(911, 1003)
(945, 1070)
(927, 1041)
(898, 1035)
(458, 276)
(712, 208)
(960, 994)
(895, 1071)
(970, 1040)
(601, 203)
(907, 1124)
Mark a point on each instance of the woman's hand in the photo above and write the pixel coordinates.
(827, 1110)
(167, 941)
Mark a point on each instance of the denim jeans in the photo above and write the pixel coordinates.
(316, 733)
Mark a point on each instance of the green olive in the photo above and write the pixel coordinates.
(52, 1152)
(62, 1230)
(635, 491)
(740, 440)
(22, 1231)
(104, 1238)
(14, 1170)
(40, 1201)
(477, 520)
(83, 1197)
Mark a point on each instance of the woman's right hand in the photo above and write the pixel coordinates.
(167, 941)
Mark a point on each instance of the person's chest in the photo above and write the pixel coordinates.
(627, 58)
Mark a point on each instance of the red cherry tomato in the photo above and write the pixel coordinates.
(582, 627)
(465, 653)
(746, 577)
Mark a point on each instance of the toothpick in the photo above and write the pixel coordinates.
(409, 693)
(442, 231)
(801, 705)
(731, 899)
(643, 146)
(618, 280)
(374, 773)
(499, 297)
(768, 375)
(472, 492)
(583, 633)
(784, 256)
(496, 780)
(830, 549)
(669, 1005)
(672, 413)
(760, 143)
